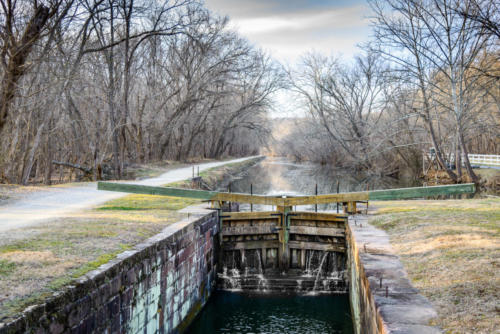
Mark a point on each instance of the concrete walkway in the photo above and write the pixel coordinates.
(56, 201)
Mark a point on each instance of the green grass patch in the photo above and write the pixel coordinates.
(6, 267)
(147, 202)
(35, 245)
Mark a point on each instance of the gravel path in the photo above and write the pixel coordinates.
(53, 202)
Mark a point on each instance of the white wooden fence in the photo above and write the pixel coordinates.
(484, 159)
(475, 159)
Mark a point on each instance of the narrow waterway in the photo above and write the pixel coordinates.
(237, 310)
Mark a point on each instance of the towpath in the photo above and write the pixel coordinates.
(53, 202)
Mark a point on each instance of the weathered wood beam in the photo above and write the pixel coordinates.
(319, 216)
(244, 198)
(228, 245)
(248, 230)
(251, 215)
(316, 246)
(321, 231)
(324, 199)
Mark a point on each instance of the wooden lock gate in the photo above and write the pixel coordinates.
(282, 238)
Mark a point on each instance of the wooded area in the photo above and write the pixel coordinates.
(92, 86)
(429, 78)
(95, 85)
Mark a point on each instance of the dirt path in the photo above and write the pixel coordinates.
(52, 202)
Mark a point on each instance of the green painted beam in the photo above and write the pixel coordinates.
(374, 195)
(418, 192)
(149, 190)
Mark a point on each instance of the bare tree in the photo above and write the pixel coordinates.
(23, 25)
(348, 101)
(433, 44)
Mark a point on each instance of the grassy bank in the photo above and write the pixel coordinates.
(451, 250)
(218, 176)
(38, 261)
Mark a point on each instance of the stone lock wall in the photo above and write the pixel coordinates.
(158, 287)
(382, 298)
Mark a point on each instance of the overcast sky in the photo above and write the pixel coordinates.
(289, 28)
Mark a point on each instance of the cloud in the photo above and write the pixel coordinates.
(291, 28)
(308, 20)
(288, 29)
(252, 8)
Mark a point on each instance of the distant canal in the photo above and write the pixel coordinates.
(281, 176)
(238, 312)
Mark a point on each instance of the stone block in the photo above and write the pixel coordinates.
(113, 307)
(115, 324)
(56, 328)
(115, 285)
(127, 296)
(105, 292)
(412, 329)
(101, 317)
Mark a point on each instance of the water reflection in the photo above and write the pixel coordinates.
(275, 176)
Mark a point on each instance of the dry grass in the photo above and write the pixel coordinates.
(451, 250)
(37, 261)
(217, 176)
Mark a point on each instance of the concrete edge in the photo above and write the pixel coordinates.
(383, 285)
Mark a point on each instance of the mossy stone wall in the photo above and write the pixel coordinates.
(157, 287)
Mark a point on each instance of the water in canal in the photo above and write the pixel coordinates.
(238, 312)
(274, 176)
(244, 312)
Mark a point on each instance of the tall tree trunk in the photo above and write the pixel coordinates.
(111, 102)
(31, 156)
(468, 167)
(48, 161)
(458, 158)
(16, 66)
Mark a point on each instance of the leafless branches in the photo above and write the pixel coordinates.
(113, 82)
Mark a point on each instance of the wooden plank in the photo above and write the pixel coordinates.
(250, 215)
(249, 230)
(244, 198)
(228, 245)
(328, 198)
(316, 246)
(418, 192)
(307, 215)
(321, 231)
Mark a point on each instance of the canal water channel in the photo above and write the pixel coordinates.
(321, 308)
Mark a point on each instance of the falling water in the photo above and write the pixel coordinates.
(260, 275)
(299, 285)
(231, 279)
(308, 272)
(319, 271)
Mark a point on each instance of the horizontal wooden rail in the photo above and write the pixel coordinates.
(287, 201)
